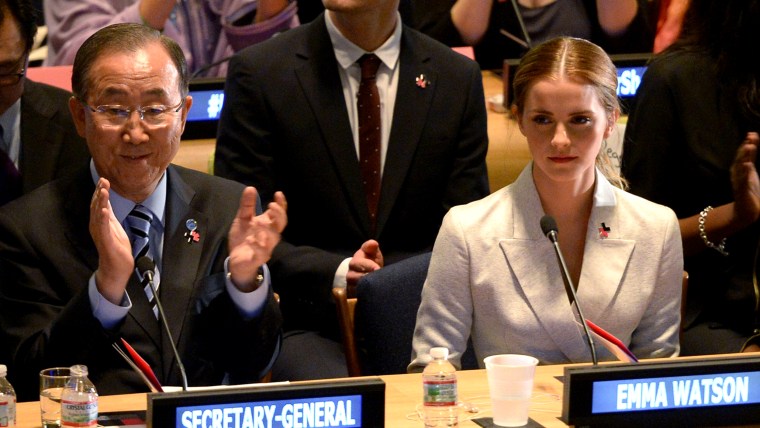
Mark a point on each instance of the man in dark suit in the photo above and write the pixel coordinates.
(38, 141)
(69, 286)
(291, 122)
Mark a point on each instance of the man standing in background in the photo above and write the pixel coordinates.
(371, 156)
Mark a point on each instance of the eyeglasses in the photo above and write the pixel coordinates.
(118, 115)
(10, 79)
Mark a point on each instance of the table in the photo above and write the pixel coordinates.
(402, 396)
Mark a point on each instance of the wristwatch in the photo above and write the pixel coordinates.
(259, 278)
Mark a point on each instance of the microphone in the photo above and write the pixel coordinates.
(549, 227)
(208, 67)
(527, 43)
(146, 269)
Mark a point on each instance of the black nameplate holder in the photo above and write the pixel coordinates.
(349, 403)
(675, 393)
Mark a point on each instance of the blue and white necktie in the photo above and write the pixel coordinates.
(139, 220)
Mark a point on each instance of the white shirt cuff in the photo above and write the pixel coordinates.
(340, 274)
(250, 304)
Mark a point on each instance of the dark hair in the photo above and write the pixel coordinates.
(25, 14)
(728, 31)
(577, 59)
(124, 37)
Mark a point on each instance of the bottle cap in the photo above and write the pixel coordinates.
(79, 370)
(439, 352)
(3, 370)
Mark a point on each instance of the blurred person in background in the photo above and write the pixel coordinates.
(295, 125)
(493, 27)
(691, 144)
(209, 31)
(669, 23)
(38, 139)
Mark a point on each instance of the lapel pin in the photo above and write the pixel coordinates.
(421, 81)
(192, 234)
(603, 231)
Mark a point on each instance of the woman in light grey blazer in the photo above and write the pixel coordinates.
(494, 275)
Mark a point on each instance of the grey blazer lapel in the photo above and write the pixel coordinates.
(320, 84)
(535, 268)
(410, 116)
(605, 260)
(533, 262)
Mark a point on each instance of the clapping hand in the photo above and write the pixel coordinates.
(746, 184)
(367, 259)
(252, 238)
(115, 262)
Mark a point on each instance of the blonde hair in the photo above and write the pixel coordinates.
(580, 60)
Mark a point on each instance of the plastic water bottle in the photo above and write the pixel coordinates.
(439, 385)
(79, 400)
(7, 400)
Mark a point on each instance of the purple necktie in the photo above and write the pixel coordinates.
(368, 107)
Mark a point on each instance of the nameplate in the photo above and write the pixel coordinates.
(203, 116)
(704, 392)
(350, 403)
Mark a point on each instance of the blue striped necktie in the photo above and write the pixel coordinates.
(139, 220)
(139, 226)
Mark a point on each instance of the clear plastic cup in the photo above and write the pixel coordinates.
(510, 382)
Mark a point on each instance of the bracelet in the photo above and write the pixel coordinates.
(721, 248)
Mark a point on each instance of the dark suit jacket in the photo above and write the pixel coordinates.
(285, 127)
(50, 144)
(47, 257)
(680, 144)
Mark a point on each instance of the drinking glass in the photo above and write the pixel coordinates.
(52, 382)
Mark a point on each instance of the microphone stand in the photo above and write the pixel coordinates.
(208, 67)
(148, 276)
(569, 288)
(528, 43)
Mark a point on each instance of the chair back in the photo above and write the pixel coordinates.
(386, 312)
(345, 305)
(378, 316)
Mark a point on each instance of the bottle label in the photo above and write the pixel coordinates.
(7, 413)
(79, 413)
(440, 392)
